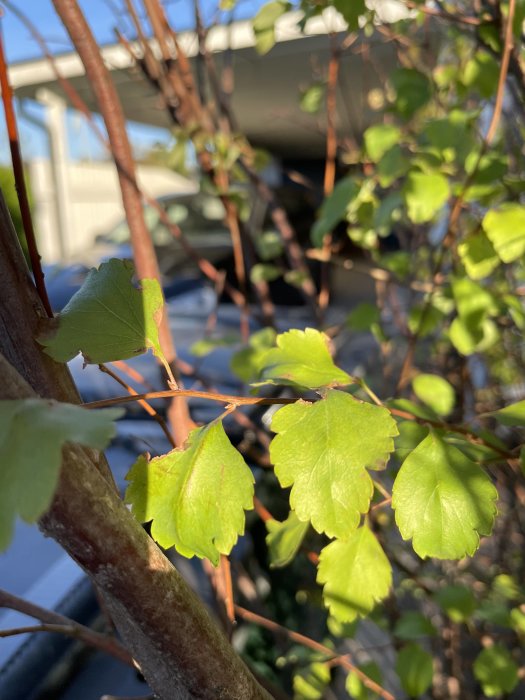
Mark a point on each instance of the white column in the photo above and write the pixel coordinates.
(56, 125)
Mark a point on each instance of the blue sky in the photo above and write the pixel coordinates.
(103, 16)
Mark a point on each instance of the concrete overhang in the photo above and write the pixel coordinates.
(267, 88)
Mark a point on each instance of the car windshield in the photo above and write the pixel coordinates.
(196, 215)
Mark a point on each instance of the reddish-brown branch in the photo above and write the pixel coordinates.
(54, 622)
(145, 405)
(18, 171)
(329, 173)
(113, 115)
(192, 393)
(342, 661)
(261, 511)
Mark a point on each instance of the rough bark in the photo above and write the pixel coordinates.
(179, 648)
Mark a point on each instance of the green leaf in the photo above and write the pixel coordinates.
(322, 450)
(351, 11)
(512, 415)
(312, 99)
(482, 73)
(108, 318)
(392, 166)
(457, 601)
(425, 195)
(196, 496)
(284, 539)
(269, 245)
(379, 139)
(415, 669)
(355, 574)
(355, 686)
(247, 363)
(264, 24)
(472, 331)
(205, 346)
(264, 272)
(468, 338)
(302, 358)
(363, 317)
(413, 625)
(413, 91)
(478, 255)
(443, 501)
(333, 209)
(496, 670)
(436, 392)
(410, 435)
(505, 228)
(311, 682)
(32, 433)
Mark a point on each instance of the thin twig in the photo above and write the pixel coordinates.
(442, 14)
(191, 393)
(55, 622)
(145, 405)
(342, 661)
(18, 171)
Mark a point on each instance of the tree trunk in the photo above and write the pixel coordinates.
(179, 648)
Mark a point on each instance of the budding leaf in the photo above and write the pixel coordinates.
(32, 433)
(108, 318)
(443, 501)
(195, 496)
(356, 575)
(284, 539)
(322, 450)
(302, 358)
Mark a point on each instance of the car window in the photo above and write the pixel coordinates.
(196, 216)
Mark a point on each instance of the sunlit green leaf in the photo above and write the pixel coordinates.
(312, 99)
(512, 415)
(505, 228)
(425, 195)
(311, 682)
(379, 139)
(478, 255)
(108, 318)
(435, 391)
(302, 358)
(32, 434)
(264, 24)
(355, 575)
(284, 539)
(322, 450)
(443, 501)
(354, 684)
(196, 496)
